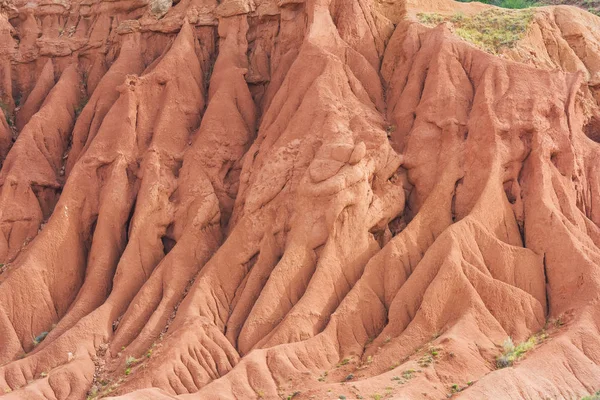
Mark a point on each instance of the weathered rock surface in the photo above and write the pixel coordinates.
(308, 199)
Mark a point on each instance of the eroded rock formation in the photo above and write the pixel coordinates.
(302, 199)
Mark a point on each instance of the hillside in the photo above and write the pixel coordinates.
(298, 199)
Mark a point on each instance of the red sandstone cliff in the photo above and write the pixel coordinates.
(308, 199)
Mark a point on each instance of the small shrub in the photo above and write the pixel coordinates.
(127, 370)
(131, 360)
(39, 338)
(345, 361)
(425, 361)
(512, 353)
(323, 376)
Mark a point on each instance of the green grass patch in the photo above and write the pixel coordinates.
(491, 30)
(513, 4)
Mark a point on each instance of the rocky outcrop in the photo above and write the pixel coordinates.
(296, 199)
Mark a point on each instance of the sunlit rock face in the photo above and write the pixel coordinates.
(307, 199)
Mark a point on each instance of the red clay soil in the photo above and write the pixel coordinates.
(296, 199)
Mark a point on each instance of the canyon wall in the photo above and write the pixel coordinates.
(302, 199)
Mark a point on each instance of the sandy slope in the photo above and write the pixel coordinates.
(295, 199)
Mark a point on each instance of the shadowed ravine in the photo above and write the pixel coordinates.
(307, 199)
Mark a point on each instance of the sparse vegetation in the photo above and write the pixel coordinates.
(291, 396)
(82, 103)
(376, 396)
(512, 353)
(595, 396)
(390, 129)
(39, 338)
(7, 114)
(345, 361)
(260, 393)
(131, 360)
(425, 361)
(491, 30)
(592, 6)
(323, 376)
(127, 370)
(514, 4)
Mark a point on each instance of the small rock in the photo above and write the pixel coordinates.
(160, 7)
(358, 154)
(321, 170)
